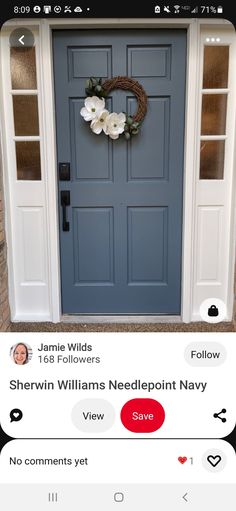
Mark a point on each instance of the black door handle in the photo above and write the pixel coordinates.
(65, 201)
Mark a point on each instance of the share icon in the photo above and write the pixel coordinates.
(218, 415)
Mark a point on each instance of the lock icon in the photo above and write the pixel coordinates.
(213, 311)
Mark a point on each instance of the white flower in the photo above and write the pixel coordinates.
(99, 123)
(115, 124)
(93, 107)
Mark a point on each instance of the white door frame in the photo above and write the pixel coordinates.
(47, 189)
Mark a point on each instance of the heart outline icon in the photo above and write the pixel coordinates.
(182, 459)
(214, 460)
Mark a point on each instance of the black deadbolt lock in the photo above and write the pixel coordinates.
(64, 171)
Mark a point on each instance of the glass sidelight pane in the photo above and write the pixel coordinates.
(28, 160)
(216, 63)
(26, 115)
(214, 114)
(212, 159)
(23, 68)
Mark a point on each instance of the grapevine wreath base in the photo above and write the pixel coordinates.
(111, 123)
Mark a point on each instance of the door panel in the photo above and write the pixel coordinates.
(93, 234)
(122, 254)
(156, 146)
(147, 228)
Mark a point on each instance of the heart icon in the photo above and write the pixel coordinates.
(214, 460)
(182, 459)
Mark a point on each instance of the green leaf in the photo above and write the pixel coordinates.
(129, 120)
(127, 135)
(98, 88)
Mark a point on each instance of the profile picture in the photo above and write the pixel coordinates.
(21, 353)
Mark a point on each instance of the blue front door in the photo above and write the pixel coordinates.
(122, 252)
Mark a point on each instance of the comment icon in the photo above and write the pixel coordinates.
(16, 415)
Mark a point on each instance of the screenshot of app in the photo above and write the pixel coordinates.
(117, 256)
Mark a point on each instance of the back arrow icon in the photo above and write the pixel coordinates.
(184, 497)
(21, 40)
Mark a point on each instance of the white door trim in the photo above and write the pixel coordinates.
(48, 138)
(190, 170)
(47, 83)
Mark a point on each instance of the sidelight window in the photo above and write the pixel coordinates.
(214, 109)
(25, 109)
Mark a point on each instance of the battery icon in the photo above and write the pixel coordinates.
(219, 9)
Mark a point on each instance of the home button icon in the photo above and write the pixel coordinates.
(119, 497)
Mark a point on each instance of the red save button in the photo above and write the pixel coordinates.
(142, 415)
